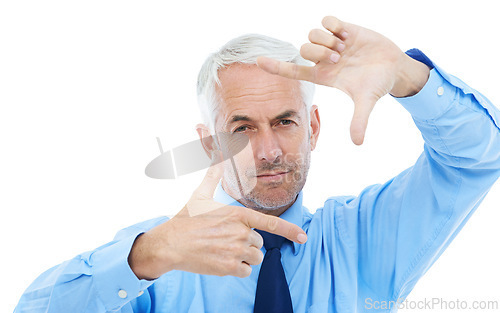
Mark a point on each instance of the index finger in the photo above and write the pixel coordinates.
(286, 69)
(275, 225)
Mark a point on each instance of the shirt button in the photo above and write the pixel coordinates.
(440, 91)
(140, 293)
(122, 294)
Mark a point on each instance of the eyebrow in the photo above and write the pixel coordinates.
(237, 118)
(286, 114)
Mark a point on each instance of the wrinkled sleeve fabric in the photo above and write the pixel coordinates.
(96, 281)
(401, 227)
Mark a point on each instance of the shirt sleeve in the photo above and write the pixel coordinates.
(96, 281)
(400, 228)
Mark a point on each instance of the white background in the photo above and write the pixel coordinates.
(85, 87)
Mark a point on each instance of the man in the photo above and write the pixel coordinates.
(353, 254)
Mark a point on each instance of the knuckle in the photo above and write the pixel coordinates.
(212, 172)
(326, 53)
(272, 224)
(260, 256)
(238, 251)
(260, 241)
(244, 271)
(236, 214)
(253, 257)
(290, 232)
(245, 233)
(231, 248)
(232, 267)
(332, 42)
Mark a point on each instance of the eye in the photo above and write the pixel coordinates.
(285, 122)
(240, 129)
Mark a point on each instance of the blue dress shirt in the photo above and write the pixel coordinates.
(364, 253)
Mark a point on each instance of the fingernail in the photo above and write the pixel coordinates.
(340, 47)
(334, 57)
(344, 34)
(301, 238)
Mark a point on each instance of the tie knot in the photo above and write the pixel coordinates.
(271, 241)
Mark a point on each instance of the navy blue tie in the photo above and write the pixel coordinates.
(273, 295)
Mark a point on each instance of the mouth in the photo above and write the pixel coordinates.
(272, 176)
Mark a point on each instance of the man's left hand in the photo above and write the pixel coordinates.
(362, 63)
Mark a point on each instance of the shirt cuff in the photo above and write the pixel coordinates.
(432, 100)
(114, 280)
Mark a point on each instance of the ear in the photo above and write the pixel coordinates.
(206, 139)
(315, 126)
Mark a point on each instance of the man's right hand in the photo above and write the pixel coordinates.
(207, 237)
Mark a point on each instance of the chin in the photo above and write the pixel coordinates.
(269, 198)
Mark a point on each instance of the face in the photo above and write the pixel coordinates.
(270, 172)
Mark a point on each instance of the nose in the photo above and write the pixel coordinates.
(267, 146)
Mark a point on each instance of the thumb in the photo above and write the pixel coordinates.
(214, 173)
(362, 110)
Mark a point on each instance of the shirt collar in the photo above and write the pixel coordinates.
(293, 214)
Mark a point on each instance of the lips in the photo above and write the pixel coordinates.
(271, 174)
(272, 177)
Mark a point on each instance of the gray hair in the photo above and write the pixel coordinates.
(244, 49)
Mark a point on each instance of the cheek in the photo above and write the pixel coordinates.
(239, 172)
(295, 142)
(297, 150)
(243, 161)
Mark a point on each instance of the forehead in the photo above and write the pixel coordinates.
(247, 89)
